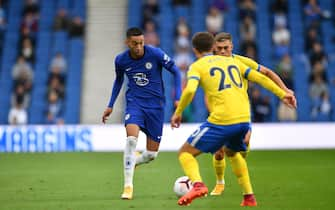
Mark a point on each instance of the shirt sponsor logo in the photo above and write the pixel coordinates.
(141, 79)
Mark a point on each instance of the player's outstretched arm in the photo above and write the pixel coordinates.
(268, 84)
(175, 104)
(290, 100)
(106, 114)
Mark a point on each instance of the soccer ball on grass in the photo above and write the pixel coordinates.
(182, 186)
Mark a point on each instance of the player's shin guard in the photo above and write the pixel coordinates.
(240, 169)
(129, 160)
(219, 167)
(146, 157)
(190, 166)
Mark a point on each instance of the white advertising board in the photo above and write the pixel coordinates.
(41, 138)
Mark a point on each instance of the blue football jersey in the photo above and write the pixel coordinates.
(145, 82)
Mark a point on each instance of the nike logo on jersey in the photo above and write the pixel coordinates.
(127, 69)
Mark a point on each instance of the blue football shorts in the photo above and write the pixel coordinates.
(210, 137)
(150, 120)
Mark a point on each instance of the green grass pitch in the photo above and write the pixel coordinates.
(282, 180)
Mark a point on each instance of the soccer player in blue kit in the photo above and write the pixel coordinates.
(145, 99)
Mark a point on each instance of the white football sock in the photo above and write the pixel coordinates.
(129, 160)
(146, 157)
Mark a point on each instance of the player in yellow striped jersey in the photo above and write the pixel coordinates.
(223, 80)
(224, 46)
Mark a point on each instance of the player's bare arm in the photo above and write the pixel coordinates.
(290, 100)
(175, 104)
(106, 114)
(175, 121)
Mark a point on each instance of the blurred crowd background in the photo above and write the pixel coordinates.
(42, 46)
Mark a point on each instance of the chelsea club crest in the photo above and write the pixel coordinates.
(148, 65)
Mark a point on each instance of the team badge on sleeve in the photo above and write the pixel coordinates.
(166, 58)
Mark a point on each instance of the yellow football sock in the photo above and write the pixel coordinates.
(190, 166)
(240, 169)
(219, 167)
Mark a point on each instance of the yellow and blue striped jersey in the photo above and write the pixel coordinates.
(223, 80)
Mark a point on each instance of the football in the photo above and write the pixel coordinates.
(182, 185)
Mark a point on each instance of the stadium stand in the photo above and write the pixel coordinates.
(48, 42)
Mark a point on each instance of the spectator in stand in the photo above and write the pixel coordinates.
(214, 20)
(317, 70)
(183, 56)
(17, 115)
(286, 114)
(285, 71)
(279, 10)
(250, 52)
(325, 105)
(27, 51)
(61, 21)
(311, 38)
(76, 28)
(26, 34)
(313, 14)
(22, 74)
(150, 11)
(55, 109)
(58, 61)
(30, 21)
(247, 8)
(279, 18)
(182, 34)
(281, 35)
(56, 86)
(31, 6)
(56, 81)
(316, 88)
(150, 35)
(322, 108)
(247, 43)
(281, 39)
(19, 96)
(318, 55)
(182, 26)
(247, 28)
(260, 106)
(56, 71)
